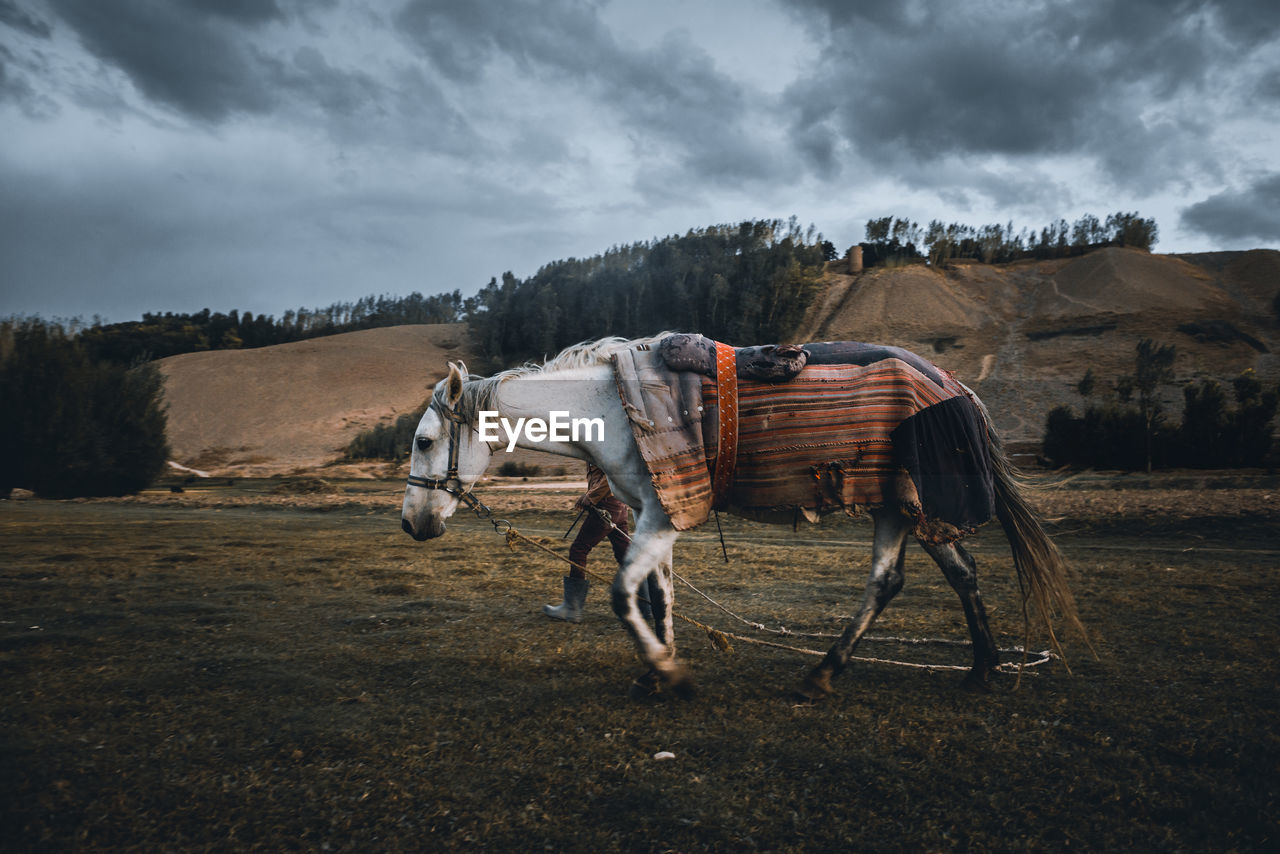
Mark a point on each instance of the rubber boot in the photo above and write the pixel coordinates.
(575, 596)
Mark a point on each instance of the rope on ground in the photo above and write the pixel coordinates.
(720, 639)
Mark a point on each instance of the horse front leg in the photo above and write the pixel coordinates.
(962, 573)
(883, 583)
(650, 554)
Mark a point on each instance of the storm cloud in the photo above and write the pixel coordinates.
(267, 154)
(1235, 215)
(1131, 89)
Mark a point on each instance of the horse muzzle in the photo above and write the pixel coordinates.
(433, 528)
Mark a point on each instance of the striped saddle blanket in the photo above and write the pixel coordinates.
(849, 436)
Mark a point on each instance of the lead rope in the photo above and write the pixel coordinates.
(720, 639)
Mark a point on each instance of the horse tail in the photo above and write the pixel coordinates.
(1040, 567)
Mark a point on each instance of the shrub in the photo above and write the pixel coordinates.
(72, 425)
(1212, 434)
(386, 441)
(514, 469)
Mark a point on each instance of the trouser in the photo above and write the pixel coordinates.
(594, 529)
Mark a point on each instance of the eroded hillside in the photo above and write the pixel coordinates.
(1023, 334)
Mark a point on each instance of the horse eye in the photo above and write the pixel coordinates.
(423, 443)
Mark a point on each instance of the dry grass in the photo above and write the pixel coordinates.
(270, 410)
(236, 670)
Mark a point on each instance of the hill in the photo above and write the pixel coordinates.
(1021, 335)
(296, 406)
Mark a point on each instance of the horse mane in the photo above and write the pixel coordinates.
(479, 393)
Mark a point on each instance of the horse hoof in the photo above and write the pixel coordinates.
(657, 685)
(807, 696)
(976, 683)
(684, 689)
(645, 687)
(815, 688)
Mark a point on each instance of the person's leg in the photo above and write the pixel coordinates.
(576, 584)
(593, 530)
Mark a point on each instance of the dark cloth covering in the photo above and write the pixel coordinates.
(857, 353)
(944, 447)
(780, 362)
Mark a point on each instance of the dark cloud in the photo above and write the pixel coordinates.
(190, 56)
(19, 68)
(671, 96)
(1249, 22)
(1268, 85)
(910, 83)
(242, 11)
(461, 38)
(1235, 215)
(212, 60)
(13, 15)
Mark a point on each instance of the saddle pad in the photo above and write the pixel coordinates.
(852, 437)
(862, 437)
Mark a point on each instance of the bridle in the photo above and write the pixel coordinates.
(451, 483)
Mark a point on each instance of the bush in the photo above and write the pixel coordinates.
(386, 442)
(1212, 433)
(74, 426)
(1104, 437)
(513, 469)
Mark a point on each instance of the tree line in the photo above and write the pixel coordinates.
(745, 282)
(742, 283)
(156, 335)
(1125, 425)
(72, 424)
(894, 240)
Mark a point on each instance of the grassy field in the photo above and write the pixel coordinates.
(241, 673)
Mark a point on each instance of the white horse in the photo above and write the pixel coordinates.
(449, 456)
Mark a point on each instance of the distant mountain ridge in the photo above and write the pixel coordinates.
(1020, 334)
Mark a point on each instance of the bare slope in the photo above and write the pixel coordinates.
(1023, 334)
(294, 406)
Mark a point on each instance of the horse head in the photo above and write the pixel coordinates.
(446, 460)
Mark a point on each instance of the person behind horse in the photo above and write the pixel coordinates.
(598, 502)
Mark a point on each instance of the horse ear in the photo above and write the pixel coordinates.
(453, 388)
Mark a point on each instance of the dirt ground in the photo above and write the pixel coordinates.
(272, 664)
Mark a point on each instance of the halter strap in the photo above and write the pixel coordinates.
(450, 483)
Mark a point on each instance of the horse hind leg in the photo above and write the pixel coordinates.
(961, 572)
(883, 583)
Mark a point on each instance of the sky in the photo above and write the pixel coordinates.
(265, 155)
